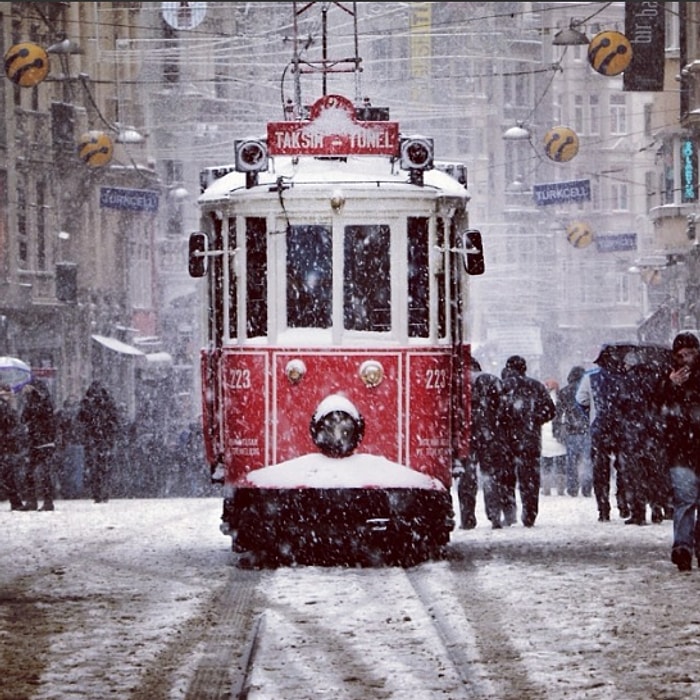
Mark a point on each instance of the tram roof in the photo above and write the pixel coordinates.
(354, 170)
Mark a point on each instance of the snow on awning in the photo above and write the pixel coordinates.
(117, 346)
(159, 358)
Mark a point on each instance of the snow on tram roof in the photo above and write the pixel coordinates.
(309, 170)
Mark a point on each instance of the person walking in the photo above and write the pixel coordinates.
(12, 452)
(642, 459)
(679, 409)
(525, 408)
(553, 457)
(69, 450)
(38, 417)
(599, 395)
(98, 425)
(573, 424)
(485, 452)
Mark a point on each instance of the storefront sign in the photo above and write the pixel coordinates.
(645, 30)
(129, 200)
(562, 192)
(616, 242)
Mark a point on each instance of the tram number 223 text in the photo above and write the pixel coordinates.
(436, 379)
(239, 379)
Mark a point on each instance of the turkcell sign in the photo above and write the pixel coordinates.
(616, 242)
(332, 129)
(128, 200)
(562, 192)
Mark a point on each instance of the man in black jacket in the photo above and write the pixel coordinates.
(679, 396)
(485, 452)
(39, 421)
(12, 452)
(526, 406)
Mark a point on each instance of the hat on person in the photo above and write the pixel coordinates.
(517, 364)
(575, 374)
(686, 340)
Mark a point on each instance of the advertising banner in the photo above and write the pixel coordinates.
(562, 192)
(645, 29)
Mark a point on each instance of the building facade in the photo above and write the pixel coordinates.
(94, 259)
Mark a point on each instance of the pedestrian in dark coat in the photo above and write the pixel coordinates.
(39, 420)
(69, 450)
(642, 452)
(98, 424)
(572, 423)
(679, 406)
(485, 451)
(12, 439)
(599, 395)
(525, 408)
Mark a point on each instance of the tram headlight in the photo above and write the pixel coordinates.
(295, 371)
(416, 153)
(337, 427)
(372, 373)
(337, 200)
(251, 155)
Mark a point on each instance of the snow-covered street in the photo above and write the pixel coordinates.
(120, 600)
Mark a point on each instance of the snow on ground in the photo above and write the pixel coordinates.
(96, 591)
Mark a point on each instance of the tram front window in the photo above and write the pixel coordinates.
(367, 281)
(309, 277)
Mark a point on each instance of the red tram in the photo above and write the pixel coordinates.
(335, 375)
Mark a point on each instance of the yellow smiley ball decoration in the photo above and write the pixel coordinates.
(95, 148)
(26, 64)
(579, 234)
(610, 53)
(561, 143)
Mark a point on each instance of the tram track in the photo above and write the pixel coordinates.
(342, 633)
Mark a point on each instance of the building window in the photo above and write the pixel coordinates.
(593, 115)
(622, 292)
(619, 196)
(22, 223)
(618, 115)
(579, 127)
(41, 226)
(672, 26)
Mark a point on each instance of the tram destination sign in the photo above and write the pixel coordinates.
(332, 129)
(562, 192)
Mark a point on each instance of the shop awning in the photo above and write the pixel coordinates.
(657, 328)
(118, 346)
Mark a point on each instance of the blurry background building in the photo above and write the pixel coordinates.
(94, 272)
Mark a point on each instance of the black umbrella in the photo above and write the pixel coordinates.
(620, 357)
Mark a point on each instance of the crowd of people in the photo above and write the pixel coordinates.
(630, 417)
(87, 449)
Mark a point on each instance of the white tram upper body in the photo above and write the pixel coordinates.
(335, 385)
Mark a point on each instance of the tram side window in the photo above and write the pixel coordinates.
(418, 279)
(442, 298)
(309, 277)
(367, 282)
(256, 287)
(232, 282)
(216, 290)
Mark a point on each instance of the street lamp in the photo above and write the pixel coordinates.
(64, 45)
(571, 36)
(517, 133)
